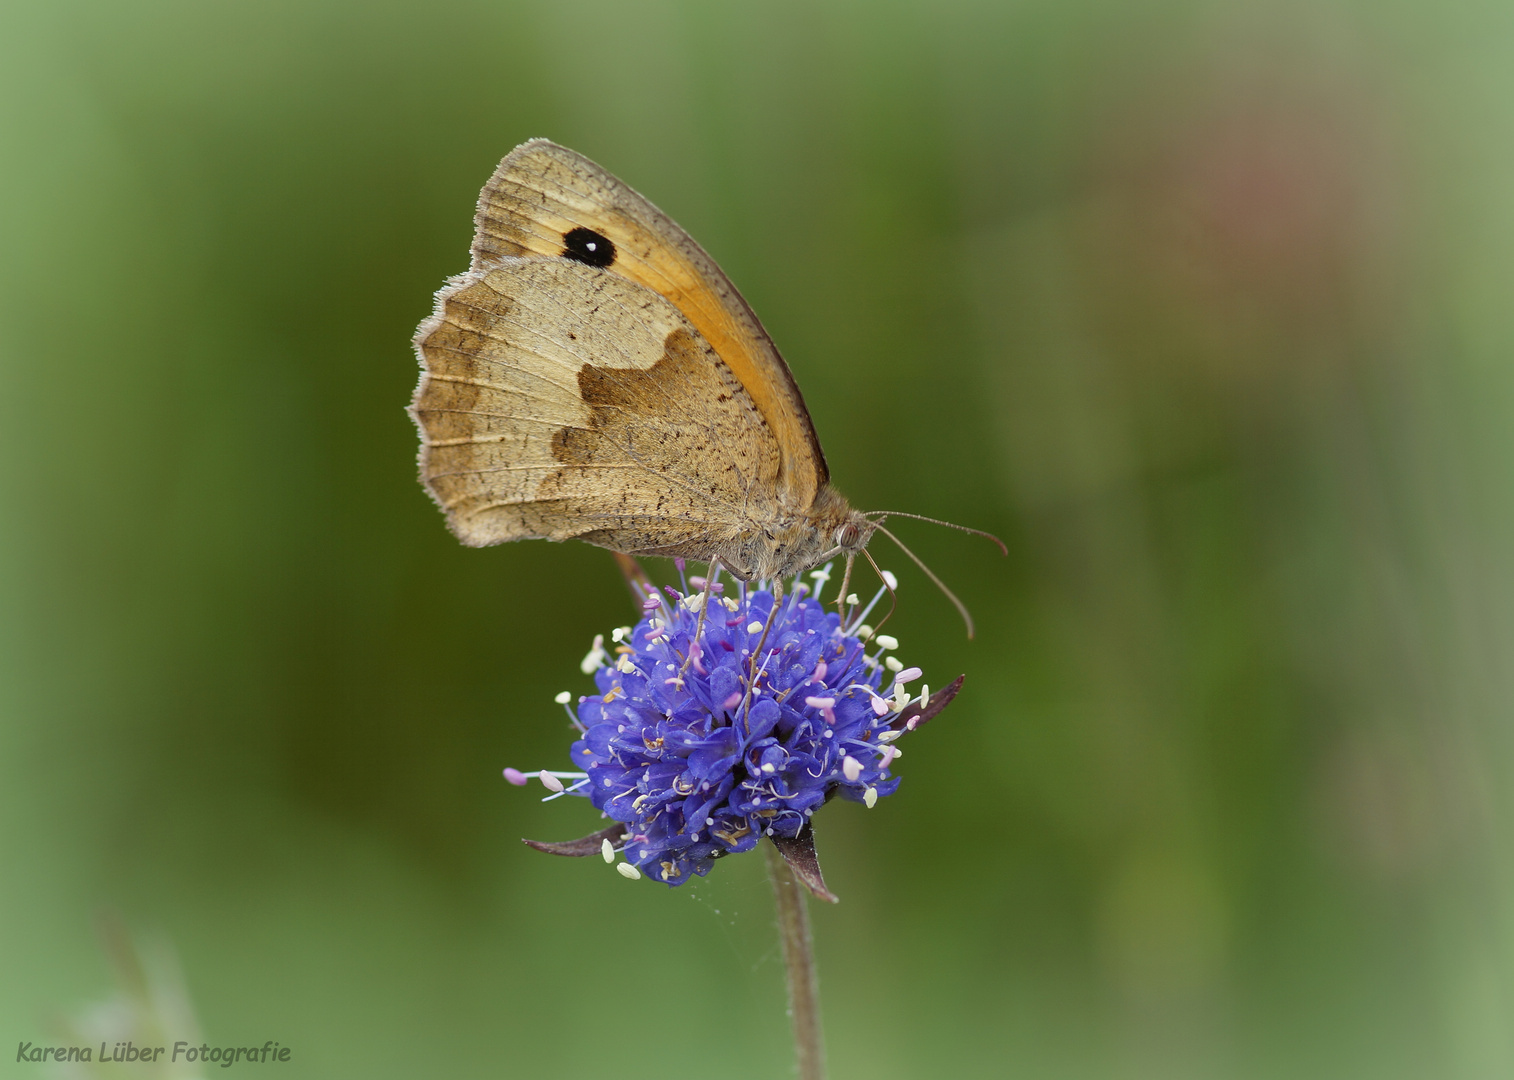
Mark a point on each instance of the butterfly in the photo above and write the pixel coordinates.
(595, 375)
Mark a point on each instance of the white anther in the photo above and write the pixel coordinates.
(889, 736)
(730, 603)
(909, 674)
(893, 664)
(550, 782)
(754, 628)
(851, 768)
(889, 579)
(693, 601)
(864, 631)
(870, 797)
(769, 767)
(887, 641)
(924, 694)
(822, 575)
(595, 657)
(607, 849)
(563, 698)
(624, 665)
(851, 599)
(628, 871)
(620, 633)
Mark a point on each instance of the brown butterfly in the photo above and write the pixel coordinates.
(595, 375)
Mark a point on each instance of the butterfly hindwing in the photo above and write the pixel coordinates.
(561, 400)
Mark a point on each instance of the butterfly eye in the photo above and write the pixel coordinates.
(847, 536)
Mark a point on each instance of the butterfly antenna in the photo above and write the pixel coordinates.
(1003, 550)
(961, 607)
(893, 597)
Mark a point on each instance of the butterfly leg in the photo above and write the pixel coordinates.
(752, 669)
(709, 588)
(846, 582)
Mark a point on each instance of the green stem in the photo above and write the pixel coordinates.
(799, 961)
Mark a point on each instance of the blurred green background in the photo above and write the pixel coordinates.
(1204, 307)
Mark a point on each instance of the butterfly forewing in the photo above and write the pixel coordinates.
(546, 200)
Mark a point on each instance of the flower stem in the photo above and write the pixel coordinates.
(799, 961)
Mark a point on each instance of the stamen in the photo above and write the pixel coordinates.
(820, 577)
(550, 782)
(607, 849)
(861, 630)
(596, 656)
(907, 675)
(827, 707)
(851, 768)
(893, 664)
(628, 871)
(887, 641)
(563, 698)
(516, 777)
(870, 797)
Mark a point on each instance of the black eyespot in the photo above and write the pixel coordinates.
(587, 246)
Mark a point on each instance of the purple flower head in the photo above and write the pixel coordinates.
(697, 747)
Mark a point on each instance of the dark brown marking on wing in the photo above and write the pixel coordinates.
(457, 356)
(652, 448)
(622, 401)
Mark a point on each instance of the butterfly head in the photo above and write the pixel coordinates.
(853, 534)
